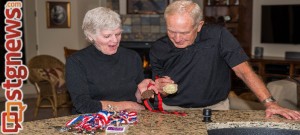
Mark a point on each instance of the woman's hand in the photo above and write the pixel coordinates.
(129, 105)
(122, 105)
(147, 84)
(146, 90)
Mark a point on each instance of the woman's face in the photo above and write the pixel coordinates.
(107, 41)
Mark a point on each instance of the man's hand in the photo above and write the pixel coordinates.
(273, 108)
(245, 72)
(161, 82)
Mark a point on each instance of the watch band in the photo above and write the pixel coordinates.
(269, 99)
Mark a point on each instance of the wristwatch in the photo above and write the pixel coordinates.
(269, 99)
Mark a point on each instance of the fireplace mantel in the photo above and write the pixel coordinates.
(136, 44)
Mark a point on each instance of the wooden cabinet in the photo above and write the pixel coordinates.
(224, 14)
(269, 69)
(275, 68)
(235, 15)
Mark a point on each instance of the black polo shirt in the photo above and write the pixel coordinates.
(201, 70)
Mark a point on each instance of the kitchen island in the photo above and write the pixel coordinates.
(158, 123)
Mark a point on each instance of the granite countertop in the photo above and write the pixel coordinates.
(158, 123)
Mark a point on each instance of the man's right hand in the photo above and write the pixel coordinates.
(161, 82)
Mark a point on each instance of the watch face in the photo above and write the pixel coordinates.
(58, 15)
(270, 99)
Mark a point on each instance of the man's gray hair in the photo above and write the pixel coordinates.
(183, 7)
(99, 19)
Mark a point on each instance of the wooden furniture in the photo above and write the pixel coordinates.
(274, 68)
(236, 15)
(68, 51)
(269, 69)
(47, 74)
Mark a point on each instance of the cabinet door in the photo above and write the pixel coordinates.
(235, 15)
(223, 13)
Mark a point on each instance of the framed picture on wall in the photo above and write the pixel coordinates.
(146, 6)
(58, 14)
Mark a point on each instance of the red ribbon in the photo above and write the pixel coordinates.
(157, 104)
(151, 107)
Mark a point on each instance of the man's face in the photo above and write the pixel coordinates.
(182, 30)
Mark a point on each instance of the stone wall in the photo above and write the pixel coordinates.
(143, 27)
(140, 27)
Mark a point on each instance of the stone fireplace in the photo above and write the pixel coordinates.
(142, 48)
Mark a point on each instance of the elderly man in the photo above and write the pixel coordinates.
(199, 58)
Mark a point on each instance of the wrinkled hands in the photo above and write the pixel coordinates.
(147, 86)
(129, 105)
(121, 105)
(155, 86)
(274, 108)
(161, 82)
(271, 108)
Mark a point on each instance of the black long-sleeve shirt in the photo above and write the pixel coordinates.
(92, 76)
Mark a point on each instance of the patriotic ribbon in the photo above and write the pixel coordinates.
(100, 120)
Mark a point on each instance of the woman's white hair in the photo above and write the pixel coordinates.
(185, 7)
(99, 19)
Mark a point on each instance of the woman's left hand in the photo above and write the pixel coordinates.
(147, 84)
(129, 105)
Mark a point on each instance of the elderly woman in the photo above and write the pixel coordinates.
(104, 75)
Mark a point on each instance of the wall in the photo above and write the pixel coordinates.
(42, 40)
(277, 50)
(29, 29)
(143, 27)
(51, 41)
